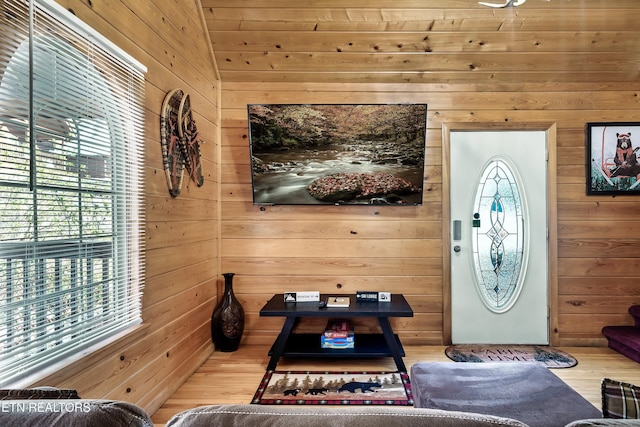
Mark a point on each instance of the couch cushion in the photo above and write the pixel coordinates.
(72, 412)
(38, 393)
(620, 400)
(307, 416)
(604, 422)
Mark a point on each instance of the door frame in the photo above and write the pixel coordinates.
(550, 130)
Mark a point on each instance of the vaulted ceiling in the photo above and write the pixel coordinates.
(425, 41)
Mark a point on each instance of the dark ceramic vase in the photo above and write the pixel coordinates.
(227, 320)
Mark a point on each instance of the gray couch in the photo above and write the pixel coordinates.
(108, 413)
(314, 416)
(71, 412)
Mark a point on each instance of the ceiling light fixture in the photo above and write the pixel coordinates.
(508, 3)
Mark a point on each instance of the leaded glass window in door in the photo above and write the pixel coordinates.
(498, 236)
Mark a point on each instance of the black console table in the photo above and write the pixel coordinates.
(386, 344)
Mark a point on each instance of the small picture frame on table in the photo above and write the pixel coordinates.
(613, 158)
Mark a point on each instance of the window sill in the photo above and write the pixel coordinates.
(61, 371)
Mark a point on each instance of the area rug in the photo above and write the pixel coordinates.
(334, 388)
(544, 355)
(527, 392)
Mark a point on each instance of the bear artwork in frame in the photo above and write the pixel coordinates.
(613, 158)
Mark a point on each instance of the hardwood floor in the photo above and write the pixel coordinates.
(234, 377)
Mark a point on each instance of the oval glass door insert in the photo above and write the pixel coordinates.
(498, 237)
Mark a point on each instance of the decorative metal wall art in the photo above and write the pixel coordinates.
(180, 141)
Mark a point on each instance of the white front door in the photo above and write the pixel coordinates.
(498, 198)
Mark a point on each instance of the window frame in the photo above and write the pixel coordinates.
(124, 277)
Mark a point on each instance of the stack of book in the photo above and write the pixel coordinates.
(338, 334)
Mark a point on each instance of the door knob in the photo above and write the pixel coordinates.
(456, 248)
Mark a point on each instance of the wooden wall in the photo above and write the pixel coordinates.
(560, 63)
(215, 229)
(340, 248)
(146, 367)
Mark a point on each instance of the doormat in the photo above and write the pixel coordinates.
(334, 388)
(544, 355)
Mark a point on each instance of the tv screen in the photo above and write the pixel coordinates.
(339, 154)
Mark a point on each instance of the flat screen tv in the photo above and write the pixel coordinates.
(337, 154)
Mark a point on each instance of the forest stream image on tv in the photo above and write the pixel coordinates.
(337, 153)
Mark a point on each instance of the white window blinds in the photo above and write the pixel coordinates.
(71, 188)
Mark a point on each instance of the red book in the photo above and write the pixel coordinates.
(338, 329)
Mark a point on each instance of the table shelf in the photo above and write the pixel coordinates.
(366, 345)
(289, 344)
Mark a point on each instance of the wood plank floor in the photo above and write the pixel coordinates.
(234, 377)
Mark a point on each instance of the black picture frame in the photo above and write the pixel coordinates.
(613, 159)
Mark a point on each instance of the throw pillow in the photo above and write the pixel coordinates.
(38, 393)
(620, 400)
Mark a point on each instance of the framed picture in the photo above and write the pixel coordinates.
(337, 154)
(613, 159)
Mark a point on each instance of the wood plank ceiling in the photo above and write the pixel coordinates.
(425, 41)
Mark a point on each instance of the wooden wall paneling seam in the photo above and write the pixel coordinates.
(545, 62)
(479, 77)
(447, 5)
(416, 41)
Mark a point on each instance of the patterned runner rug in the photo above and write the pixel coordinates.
(334, 388)
(545, 355)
